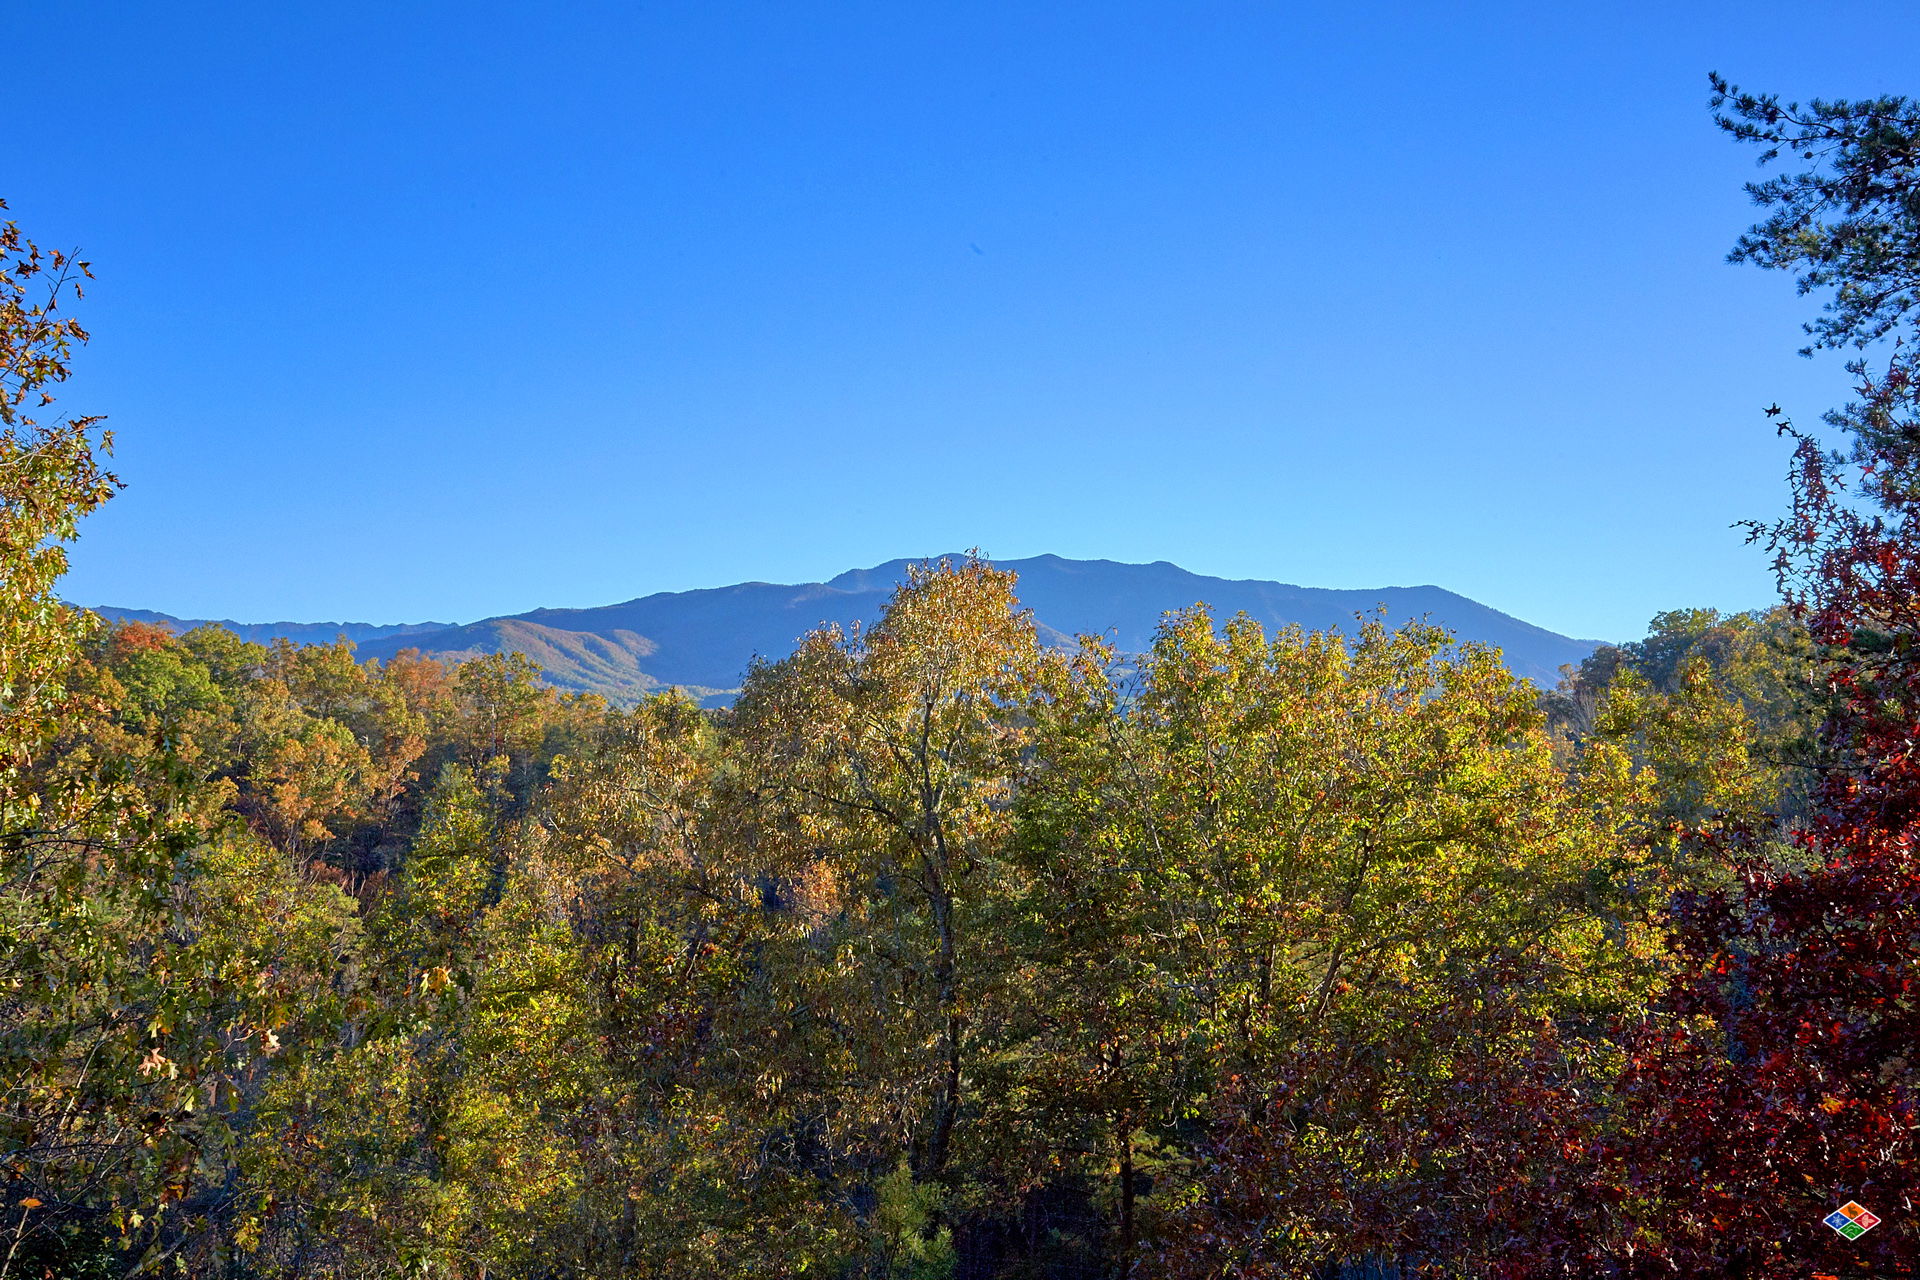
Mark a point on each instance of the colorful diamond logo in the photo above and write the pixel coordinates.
(1852, 1220)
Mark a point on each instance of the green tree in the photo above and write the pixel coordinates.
(50, 477)
(1307, 875)
(882, 765)
(155, 958)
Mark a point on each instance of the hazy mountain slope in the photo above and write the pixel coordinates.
(261, 632)
(587, 661)
(1125, 602)
(703, 640)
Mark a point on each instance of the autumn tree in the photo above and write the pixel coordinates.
(50, 477)
(1771, 1081)
(1331, 855)
(153, 953)
(1723, 700)
(642, 864)
(881, 765)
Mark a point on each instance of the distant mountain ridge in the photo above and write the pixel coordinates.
(703, 640)
(262, 632)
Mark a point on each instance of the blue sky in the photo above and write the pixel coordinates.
(413, 311)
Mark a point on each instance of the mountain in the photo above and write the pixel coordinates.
(703, 640)
(261, 632)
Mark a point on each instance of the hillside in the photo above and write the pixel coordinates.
(703, 640)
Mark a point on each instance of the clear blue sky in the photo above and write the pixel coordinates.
(414, 311)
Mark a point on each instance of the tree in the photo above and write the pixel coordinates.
(1772, 1081)
(371, 1137)
(1097, 1068)
(881, 767)
(154, 958)
(648, 1048)
(1851, 223)
(1306, 879)
(50, 477)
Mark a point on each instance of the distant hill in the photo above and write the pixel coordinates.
(703, 640)
(261, 632)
